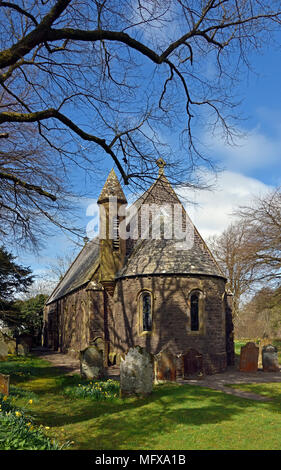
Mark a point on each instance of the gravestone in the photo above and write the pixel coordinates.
(3, 351)
(26, 339)
(91, 363)
(136, 373)
(103, 348)
(165, 364)
(7, 344)
(249, 356)
(192, 363)
(22, 349)
(270, 359)
(263, 342)
(4, 384)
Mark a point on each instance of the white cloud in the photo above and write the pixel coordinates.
(213, 209)
(254, 150)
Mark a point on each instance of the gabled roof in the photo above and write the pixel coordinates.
(80, 271)
(168, 256)
(144, 256)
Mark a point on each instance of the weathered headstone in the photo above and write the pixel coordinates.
(3, 351)
(136, 373)
(165, 364)
(91, 363)
(270, 359)
(7, 344)
(4, 384)
(249, 356)
(26, 339)
(103, 347)
(22, 349)
(263, 342)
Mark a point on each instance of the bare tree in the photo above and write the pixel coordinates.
(249, 250)
(260, 317)
(116, 79)
(263, 218)
(58, 267)
(34, 190)
(235, 253)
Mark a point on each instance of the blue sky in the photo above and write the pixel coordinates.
(251, 168)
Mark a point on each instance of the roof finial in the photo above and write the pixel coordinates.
(161, 164)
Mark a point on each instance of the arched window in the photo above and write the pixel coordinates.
(194, 312)
(146, 311)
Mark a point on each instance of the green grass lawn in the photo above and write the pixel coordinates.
(174, 417)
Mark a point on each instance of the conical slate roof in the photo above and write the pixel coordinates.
(112, 188)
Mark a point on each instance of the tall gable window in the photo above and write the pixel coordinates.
(194, 312)
(145, 312)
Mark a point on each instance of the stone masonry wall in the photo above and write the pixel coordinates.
(171, 322)
(74, 321)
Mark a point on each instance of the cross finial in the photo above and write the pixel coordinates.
(161, 165)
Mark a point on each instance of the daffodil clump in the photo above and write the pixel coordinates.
(97, 390)
(18, 431)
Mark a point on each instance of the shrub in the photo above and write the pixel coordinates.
(97, 390)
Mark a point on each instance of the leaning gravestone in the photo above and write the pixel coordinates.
(4, 384)
(91, 363)
(270, 359)
(136, 373)
(249, 356)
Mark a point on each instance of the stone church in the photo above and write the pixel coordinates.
(144, 288)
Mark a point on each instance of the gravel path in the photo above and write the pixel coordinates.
(66, 363)
(69, 365)
(233, 376)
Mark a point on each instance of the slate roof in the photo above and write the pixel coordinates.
(80, 272)
(112, 188)
(169, 256)
(144, 257)
(162, 257)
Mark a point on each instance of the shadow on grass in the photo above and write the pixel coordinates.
(108, 425)
(118, 423)
(28, 368)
